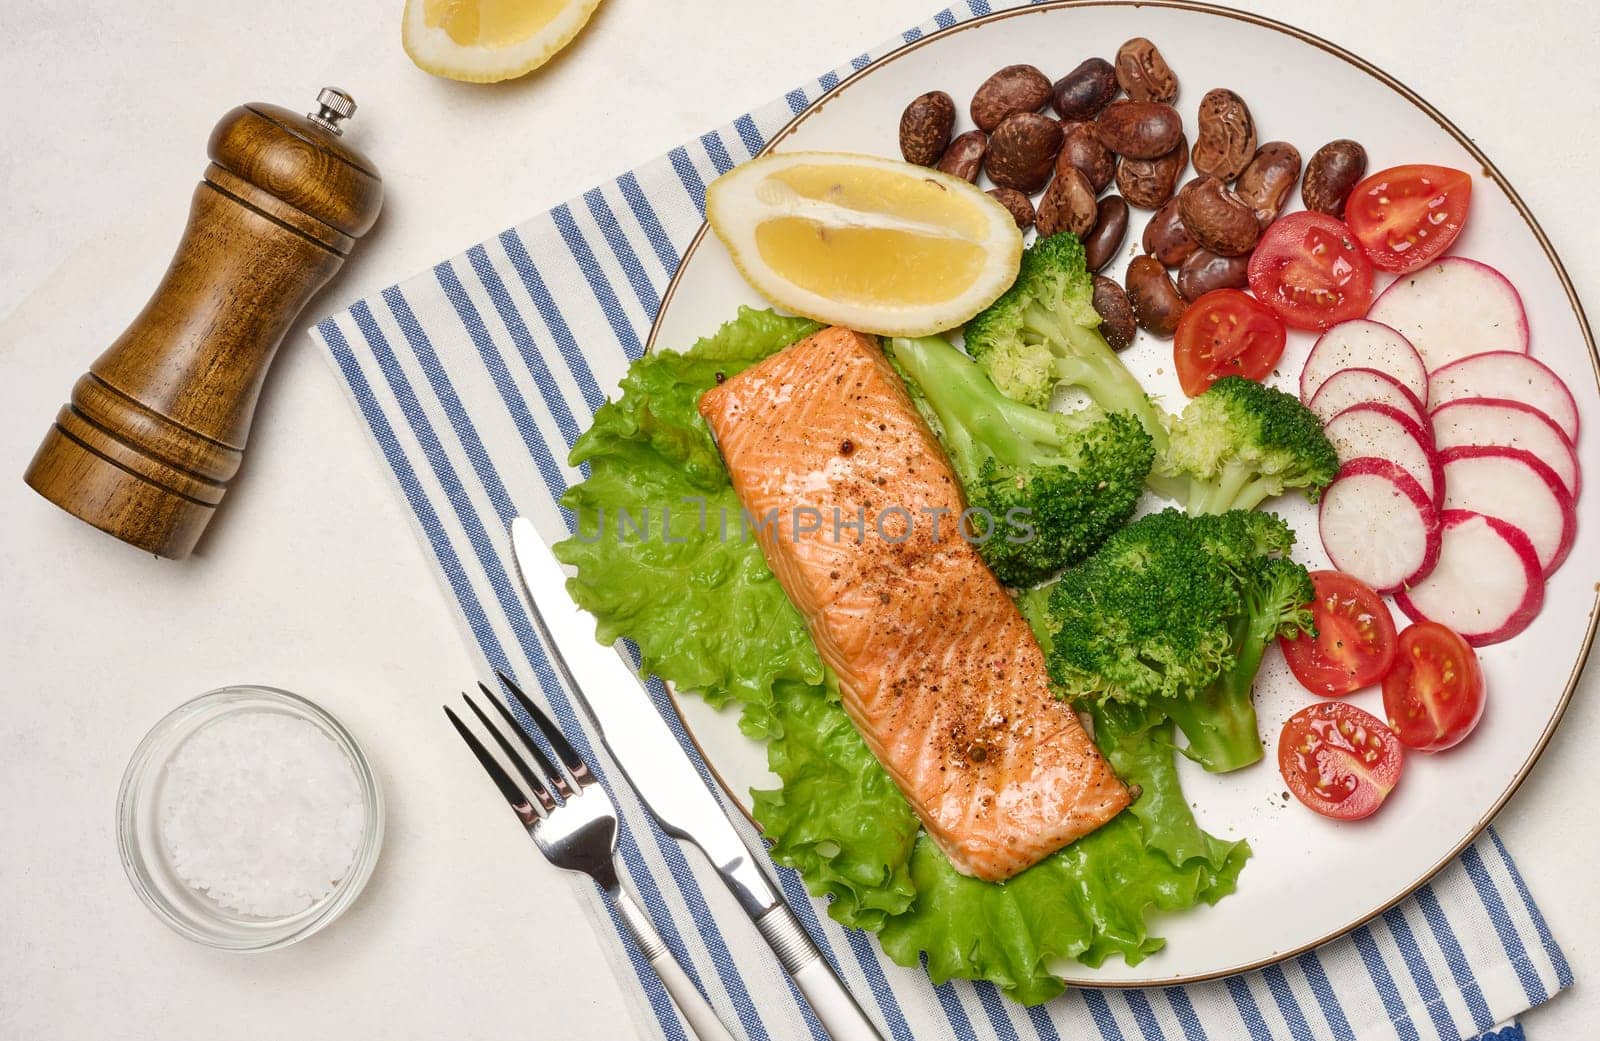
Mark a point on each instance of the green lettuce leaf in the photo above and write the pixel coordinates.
(1086, 902)
(708, 616)
(837, 818)
(660, 552)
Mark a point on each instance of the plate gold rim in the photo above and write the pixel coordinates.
(1489, 169)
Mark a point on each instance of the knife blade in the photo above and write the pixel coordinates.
(642, 744)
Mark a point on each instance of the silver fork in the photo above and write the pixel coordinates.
(573, 821)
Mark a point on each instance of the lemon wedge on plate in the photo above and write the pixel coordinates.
(484, 41)
(874, 244)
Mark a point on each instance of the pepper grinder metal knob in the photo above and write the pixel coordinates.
(157, 427)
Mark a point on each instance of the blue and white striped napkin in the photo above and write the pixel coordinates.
(496, 359)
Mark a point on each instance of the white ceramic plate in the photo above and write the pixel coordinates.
(1311, 879)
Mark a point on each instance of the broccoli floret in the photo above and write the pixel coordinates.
(1239, 443)
(1053, 485)
(1044, 332)
(1172, 615)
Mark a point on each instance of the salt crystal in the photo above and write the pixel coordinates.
(262, 812)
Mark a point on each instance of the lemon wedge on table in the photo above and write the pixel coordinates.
(874, 244)
(484, 41)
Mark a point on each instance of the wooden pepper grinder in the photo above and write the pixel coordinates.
(157, 427)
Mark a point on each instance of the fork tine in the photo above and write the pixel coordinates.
(502, 780)
(552, 733)
(535, 783)
(550, 771)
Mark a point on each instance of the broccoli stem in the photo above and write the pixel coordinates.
(1224, 493)
(1221, 723)
(1096, 370)
(977, 419)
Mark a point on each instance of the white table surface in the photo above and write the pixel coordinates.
(310, 578)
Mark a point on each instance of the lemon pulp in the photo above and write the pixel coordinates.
(490, 23)
(873, 244)
(868, 265)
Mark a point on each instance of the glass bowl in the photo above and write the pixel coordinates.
(144, 855)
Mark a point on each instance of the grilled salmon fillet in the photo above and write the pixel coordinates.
(843, 482)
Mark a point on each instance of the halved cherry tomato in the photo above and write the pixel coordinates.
(1338, 760)
(1226, 333)
(1405, 216)
(1312, 271)
(1354, 645)
(1434, 694)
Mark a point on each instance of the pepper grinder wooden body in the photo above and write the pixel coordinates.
(157, 427)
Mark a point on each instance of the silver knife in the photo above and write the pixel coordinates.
(664, 778)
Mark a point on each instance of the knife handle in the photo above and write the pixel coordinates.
(836, 1009)
(702, 1019)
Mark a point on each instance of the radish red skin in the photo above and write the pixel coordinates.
(1559, 405)
(1533, 599)
(1404, 363)
(1407, 486)
(1555, 436)
(1569, 512)
(1398, 390)
(1423, 436)
(1405, 306)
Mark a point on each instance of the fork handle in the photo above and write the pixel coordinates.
(836, 1009)
(702, 1019)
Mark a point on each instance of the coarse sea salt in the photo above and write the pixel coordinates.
(262, 812)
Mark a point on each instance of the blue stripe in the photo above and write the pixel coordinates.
(450, 564)
(1421, 975)
(979, 7)
(532, 438)
(911, 35)
(797, 100)
(553, 319)
(599, 284)
(1460, 968)
(1144, 1015)
(1042, 1024)
(888, 1005)
(716, 151)
(644, 290)
(752, 137)
(655, 992)
(945, 19)
(1245, 1002)
(1388, 993)
(1532, 985)
(1437, 1011)
(955, 1012)
(1183, 1010)
(860, 61)
(689, 177)
(1283, 996)
(510, 603)
(1332, 1011)
(1104, 1020)
(1546, 939)
(828, 81)
(994, 1007)
(645, 214)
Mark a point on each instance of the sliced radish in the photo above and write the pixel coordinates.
(1508, 424)
(1385, 432)
(1453, 308)
(1487, 585)
(1349, 387)
(1363, 344)
(1512, 485)
(1379, 525)
(1511, 376)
